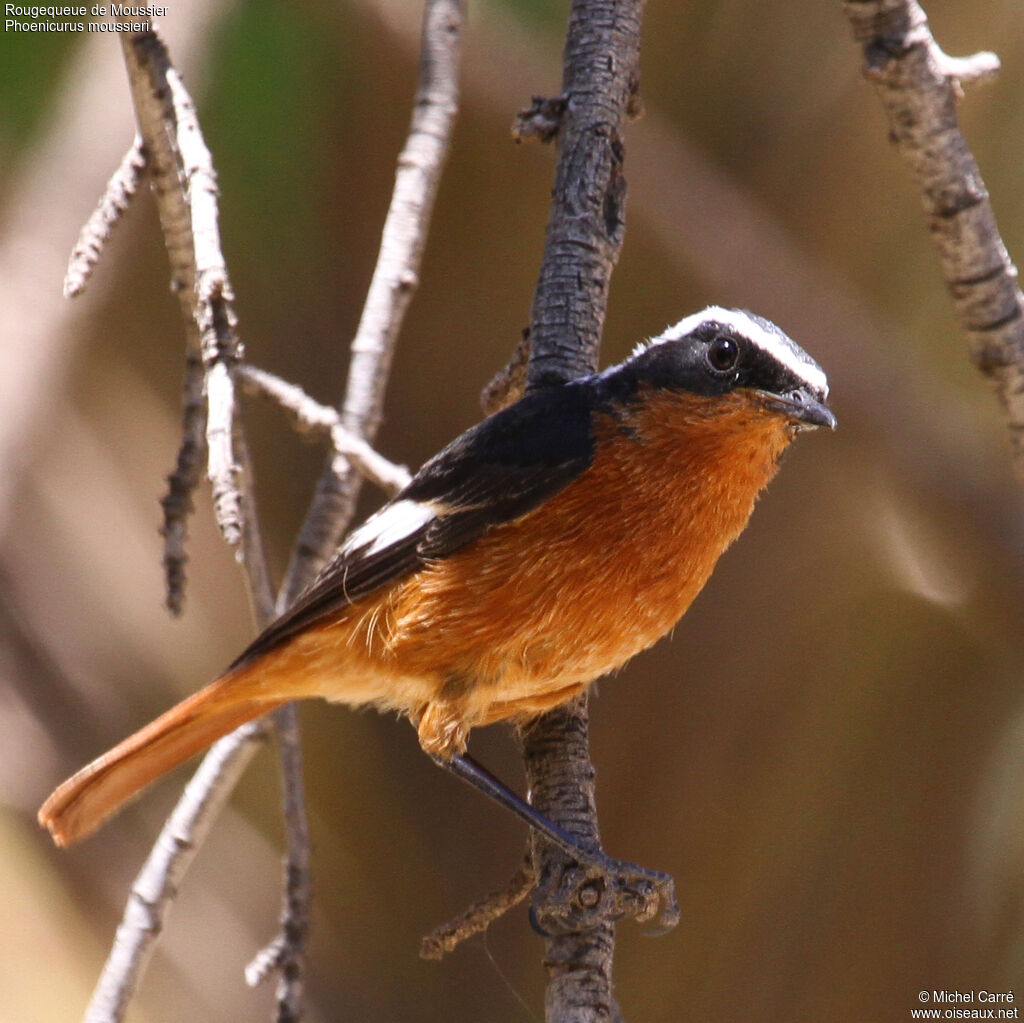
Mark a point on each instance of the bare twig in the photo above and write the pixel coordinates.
(182, 482)
(310, 416)
(117, 197)
(919, 86)
(395, 278)
(285, 955)
(158, 881)
(306, 413)
(478, 917)
(508, 383)
(584, 235)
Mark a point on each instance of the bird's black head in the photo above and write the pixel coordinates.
(718, 351)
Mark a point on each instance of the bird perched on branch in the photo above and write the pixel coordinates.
(541, 549)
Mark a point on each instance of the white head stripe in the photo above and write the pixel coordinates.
(777, 345)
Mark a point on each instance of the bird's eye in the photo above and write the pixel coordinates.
(723, 353)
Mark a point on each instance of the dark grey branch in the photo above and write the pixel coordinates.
(480, 915)
(587, 218)
(584, 236)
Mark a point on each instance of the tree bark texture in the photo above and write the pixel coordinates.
(561, 779)
(584, 235)
(587, 220)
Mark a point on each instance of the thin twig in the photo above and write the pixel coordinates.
(284, 956)
(478, 917)
(177, 504)
(116, 199)
(310, 416)
(148, 66)
(157, 884)
(306, 413)
(919, 86)
(507, 385)
(395, 278)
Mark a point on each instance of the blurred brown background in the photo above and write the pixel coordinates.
(827, 755)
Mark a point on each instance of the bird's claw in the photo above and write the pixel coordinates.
(588, 894)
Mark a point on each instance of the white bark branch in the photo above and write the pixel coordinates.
(919, 86)
(212, 310)
(310, 416)
(116, 199)
(157, 884)
(179, 162)
(394, 281)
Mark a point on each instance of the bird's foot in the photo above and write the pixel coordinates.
(599, 888)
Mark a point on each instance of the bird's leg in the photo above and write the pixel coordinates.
(598, 887)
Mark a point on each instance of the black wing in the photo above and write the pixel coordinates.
(495, 472)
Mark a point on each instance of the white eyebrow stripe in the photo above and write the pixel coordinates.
(788, 354)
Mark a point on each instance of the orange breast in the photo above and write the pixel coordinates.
(603, 570)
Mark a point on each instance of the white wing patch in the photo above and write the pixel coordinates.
(392, 524)
(774, 342)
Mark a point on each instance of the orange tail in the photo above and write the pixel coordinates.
(88, 798)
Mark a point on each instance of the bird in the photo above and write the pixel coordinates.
(541, 549)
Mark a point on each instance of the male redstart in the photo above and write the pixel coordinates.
(541, 549)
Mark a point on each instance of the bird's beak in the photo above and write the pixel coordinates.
(802, 408)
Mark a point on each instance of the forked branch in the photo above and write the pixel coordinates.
(182, 179)
(919, 87)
